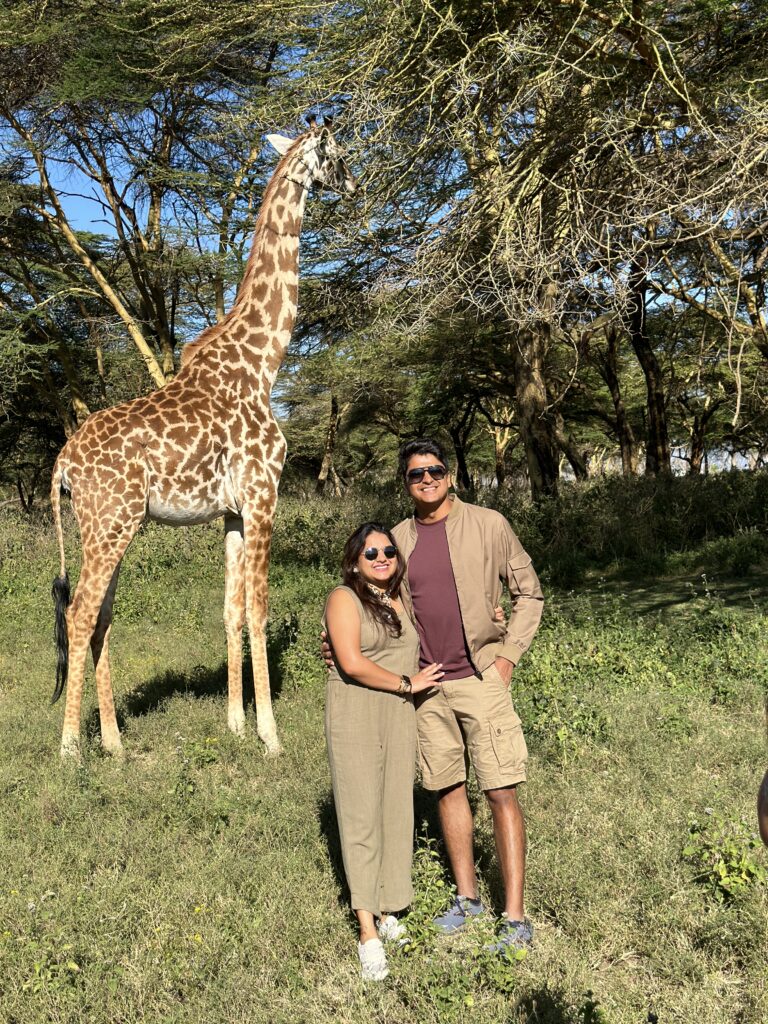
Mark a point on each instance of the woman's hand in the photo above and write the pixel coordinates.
(498, 614)
(427, 677)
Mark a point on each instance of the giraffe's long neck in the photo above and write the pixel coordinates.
(265, 309)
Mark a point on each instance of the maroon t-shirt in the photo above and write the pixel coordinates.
(436, 602)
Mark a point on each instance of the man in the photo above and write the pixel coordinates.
(457, 556)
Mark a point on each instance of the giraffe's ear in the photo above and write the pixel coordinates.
(280, 143)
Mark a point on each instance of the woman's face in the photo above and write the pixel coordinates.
(378, 569)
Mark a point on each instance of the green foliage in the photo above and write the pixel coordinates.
(456, 982)
(674, 722)
(653, 526)
(433, 892)
(557, 722)
(725, 853)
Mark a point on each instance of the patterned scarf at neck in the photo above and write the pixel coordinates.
(382, 595)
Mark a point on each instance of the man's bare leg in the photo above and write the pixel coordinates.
(457, 824)
(509, 833)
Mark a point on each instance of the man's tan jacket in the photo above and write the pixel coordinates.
(484, 552)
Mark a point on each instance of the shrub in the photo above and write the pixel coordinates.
(723, 851)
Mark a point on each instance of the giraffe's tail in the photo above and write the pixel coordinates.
(60, 591)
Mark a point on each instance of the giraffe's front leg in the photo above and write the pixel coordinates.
(234, 620)
(257, 537)
(110, 734)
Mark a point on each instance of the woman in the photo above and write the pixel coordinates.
(370, 729)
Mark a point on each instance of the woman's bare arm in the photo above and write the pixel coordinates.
(343, 620)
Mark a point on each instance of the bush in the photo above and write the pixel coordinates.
(724, 853)
(641, 521)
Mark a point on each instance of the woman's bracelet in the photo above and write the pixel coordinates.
(405, 685)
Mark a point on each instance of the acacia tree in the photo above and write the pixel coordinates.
(153, 111)
(549, 169)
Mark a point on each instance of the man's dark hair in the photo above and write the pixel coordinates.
(421, 446)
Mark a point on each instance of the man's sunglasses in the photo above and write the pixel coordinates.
(415, 476)
(390, 551)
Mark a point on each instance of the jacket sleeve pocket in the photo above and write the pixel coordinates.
(521, 577)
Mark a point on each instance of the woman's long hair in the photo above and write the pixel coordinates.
(354, 547)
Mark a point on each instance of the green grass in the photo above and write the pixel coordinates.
(200, 881)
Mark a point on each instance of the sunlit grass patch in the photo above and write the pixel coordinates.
(200, 880)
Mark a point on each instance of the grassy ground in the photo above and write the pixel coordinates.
(200, 881)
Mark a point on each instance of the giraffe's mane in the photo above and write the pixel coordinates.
(212, 333)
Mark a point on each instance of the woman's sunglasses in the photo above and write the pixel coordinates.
(415, 476)
(390, 551)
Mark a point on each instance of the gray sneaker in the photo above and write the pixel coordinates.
(456, 916)
(511, 937)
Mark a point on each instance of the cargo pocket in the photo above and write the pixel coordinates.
(509, 745)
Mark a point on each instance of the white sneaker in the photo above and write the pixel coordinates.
(390, 929)
(373, 960)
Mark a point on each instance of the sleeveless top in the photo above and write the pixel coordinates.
(396, 654)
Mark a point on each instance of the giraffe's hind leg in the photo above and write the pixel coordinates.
(110, 734)
(102, 554)
(82, 616)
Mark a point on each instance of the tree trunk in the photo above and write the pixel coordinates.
(459, 438)
(326, 468)
(501, 469)
(460, 433)
(697, 445)
(82, 412)
(698, 431)
(657, 456)
(534, 418)
(567, 445)
(608, 367)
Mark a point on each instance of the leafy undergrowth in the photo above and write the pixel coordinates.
(200, 880)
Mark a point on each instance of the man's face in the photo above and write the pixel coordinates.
(426, 490)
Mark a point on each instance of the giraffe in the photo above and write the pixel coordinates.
(203, 446)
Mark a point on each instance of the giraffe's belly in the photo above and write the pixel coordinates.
(176, 509)
(181, 515)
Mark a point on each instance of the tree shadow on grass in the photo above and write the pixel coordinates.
(543, 1006)
(547, 1006)
(674, 594)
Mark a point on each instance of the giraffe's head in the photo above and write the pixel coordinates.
(316, 158)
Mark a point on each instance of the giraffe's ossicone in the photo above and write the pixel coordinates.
(205, 445)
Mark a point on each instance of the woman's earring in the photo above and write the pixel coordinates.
(355, 569)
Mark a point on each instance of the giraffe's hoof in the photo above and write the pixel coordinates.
(113, 747)
(70, 748)
(236, 725)
(273, 745)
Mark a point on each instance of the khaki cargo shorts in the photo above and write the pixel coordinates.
(470, 720)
